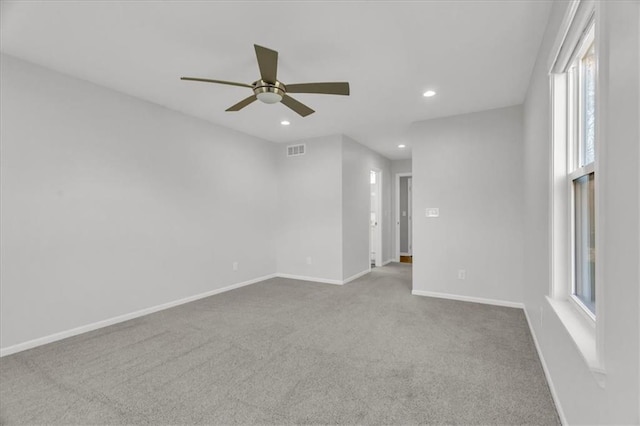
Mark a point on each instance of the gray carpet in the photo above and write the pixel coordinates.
(285, 351)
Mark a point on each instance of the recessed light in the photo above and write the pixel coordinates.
(429, 93)
(285, 123)
(402, 146)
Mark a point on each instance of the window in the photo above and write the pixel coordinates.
(581, 176)
(576, 119)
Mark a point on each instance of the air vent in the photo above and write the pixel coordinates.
(295, 150)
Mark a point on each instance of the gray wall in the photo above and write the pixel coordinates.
(357, 162)
(310, 209)
(470, 167)
(404, 214)
(111, 204)
(581, 399)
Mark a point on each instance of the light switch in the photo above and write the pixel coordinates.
(432, 212)
(404, 213)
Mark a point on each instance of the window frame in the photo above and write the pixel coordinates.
(574, 118)
(585, 331)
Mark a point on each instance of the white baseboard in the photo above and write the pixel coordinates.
(358, 275)
(314, 279)
(387, 262)
(121, 318)
(468, 299)
(552, 388)
(324, 280)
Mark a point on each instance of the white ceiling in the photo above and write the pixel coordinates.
(476, 54)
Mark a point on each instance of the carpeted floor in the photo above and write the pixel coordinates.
(285, 351)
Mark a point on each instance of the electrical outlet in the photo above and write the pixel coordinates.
(309, 260)
(432, 212)
(235, 266)
(462, 274)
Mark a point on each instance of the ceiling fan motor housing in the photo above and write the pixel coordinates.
(269, 93)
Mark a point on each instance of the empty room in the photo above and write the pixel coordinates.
(320, 212)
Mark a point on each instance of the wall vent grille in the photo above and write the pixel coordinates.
(295, 150)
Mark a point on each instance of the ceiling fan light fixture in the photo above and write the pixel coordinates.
(269, 93)
(269, 97)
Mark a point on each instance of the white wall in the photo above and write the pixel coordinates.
(323, 209)
(400, 166)
(111, 204)
(580, 398)
(397, 166)
(470, 167)
(357, 162)
(310, 209)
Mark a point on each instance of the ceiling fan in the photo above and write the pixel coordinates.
(270, 91)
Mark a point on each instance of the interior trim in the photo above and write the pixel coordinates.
(461, 298)
(552, 388)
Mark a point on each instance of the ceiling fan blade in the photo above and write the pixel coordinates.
(337, 88)
(267, 62)
(206, 80)
(243, 103)
(298, 107)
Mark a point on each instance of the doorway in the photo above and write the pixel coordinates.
(375, 219)
(404, 219)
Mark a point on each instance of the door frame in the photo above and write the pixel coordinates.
(397, 218)
(378, 251)
(410, 215)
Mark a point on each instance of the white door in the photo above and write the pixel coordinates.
(409, 217)
(375, 234)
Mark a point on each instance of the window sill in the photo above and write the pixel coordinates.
(583, 334)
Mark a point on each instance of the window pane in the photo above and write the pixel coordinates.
(588, 107)
(585, 253)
